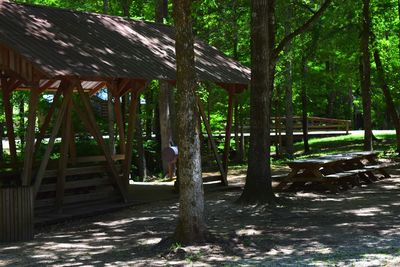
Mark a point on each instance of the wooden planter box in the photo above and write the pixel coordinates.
(16, 214)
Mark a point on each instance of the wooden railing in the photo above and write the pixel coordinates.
(315, 124)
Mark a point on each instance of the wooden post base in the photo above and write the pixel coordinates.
(16, 214)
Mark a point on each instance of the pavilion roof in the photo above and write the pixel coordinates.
(62, 43)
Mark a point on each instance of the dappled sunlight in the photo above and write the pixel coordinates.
(356, 226)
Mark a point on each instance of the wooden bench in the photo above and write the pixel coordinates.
(86, 181)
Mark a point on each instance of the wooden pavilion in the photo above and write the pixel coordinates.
(74, 55)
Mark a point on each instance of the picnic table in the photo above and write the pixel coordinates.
(335, 171)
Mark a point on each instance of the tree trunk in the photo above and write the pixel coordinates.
(141, 159)
(21, 115)
(126, 5)
(165, 118)
(258, 187)
(398, 13)
(161, 10)
(366, 77)
(165, 96)
(191, 227)
(304, 101)
(288, 89)
(391, 108)
(1, 141)
(148, 96)
(105, 6)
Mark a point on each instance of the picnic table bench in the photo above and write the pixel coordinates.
(335, 170)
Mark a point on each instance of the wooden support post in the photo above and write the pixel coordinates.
(228, 129)
(88, 113)
(63, 161)
(50, 145)
(212, 142)
(26, 176)
(46, 123)
(130, 135)
(8, 110)
(120, 124)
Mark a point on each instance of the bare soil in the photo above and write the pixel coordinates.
(357, 227)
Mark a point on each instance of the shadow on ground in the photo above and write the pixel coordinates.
(355, 227)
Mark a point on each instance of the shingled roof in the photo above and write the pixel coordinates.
(91, 46)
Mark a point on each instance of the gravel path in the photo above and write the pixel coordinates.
(358, 227)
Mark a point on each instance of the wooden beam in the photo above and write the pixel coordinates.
(63, 161)
(50, 145)
(47, 85)
(99, 138)
(228, 129)
(97, 88)
(213, 145)
(8, 110)
(49, 115)
(26, 176)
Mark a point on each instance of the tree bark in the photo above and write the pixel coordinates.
(1, 141)
(21, 117)
(288, 89)
(258, 187)
(165, 97)
(141, 158)
(148, 95)
(304, 102)
(391, 108)
(191, 227)
(164, 104)
(366, 77)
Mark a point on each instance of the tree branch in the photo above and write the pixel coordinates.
(288, 38)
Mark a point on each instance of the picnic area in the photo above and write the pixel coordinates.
(199, 133)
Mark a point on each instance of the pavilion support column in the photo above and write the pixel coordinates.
(65, 142)
(8, 110)
(228, 129)
(130, 135)
(26, 176)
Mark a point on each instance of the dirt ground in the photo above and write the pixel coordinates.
(357, 227)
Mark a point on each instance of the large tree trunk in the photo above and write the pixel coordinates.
(258, 187)
(288, 89)
(366, 77)
(191, 227)
(391, 108)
